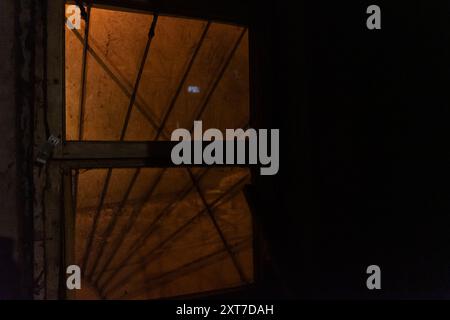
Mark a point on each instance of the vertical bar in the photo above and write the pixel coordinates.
(52, 119)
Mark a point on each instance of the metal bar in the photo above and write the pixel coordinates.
(84, 75)
(220, 76)
(183, 80)
(218, 229)
(114, 154)
(51, 119)
(151, 35)
(112, 223)
(189, 267)
(75, 150)
(141, 240)
(172, 236)
(87, 251)
(132, 163)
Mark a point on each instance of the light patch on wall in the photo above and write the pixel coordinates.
(193, 89)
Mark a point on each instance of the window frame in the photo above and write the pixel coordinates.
(55, 216)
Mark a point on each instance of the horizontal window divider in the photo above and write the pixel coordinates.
(74, 150)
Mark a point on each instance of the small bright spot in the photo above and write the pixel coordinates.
(193, 89)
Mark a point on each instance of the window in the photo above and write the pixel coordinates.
(139, 227)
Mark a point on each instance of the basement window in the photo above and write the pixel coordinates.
(140, 231)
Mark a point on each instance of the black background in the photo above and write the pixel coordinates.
(363, 117)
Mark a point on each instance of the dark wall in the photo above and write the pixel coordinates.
(364, 154)
(16, 101)
(9, 221)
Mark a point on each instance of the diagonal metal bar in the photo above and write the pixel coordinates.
(151, 228)
(183, 80)
(84, 75)
(183, 228)
(113, 222)
(187, 268)
(151, 35)
(83, 13)
(218, 229)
